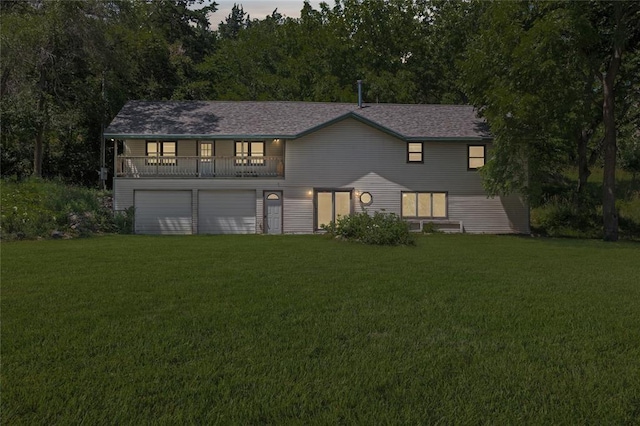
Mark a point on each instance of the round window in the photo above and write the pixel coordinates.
(366, 198)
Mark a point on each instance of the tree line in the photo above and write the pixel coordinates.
(558, 82)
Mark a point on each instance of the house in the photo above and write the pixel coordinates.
(290, 167)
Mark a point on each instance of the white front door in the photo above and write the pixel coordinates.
(273, 212)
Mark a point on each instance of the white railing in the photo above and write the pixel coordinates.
(200, 166)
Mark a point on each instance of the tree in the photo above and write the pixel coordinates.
(42, 56)
(68, 67)
(544, 75)
(233, 24)
(618, 27)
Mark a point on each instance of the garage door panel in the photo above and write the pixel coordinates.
(227, 212)
(163, 212)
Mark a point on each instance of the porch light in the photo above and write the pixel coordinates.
(276, 141)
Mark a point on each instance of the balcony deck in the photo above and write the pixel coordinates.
(203, 167)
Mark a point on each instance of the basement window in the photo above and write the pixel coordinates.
(424, 205)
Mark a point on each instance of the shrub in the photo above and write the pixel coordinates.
(35, 208)
(430, 228)
(629, 216)
(380, 229)
(562, 218)
(123, 220)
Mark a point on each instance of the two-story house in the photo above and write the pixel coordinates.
(290, 167)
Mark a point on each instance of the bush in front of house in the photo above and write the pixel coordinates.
(380, 229)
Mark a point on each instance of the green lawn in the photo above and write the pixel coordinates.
(306, 330)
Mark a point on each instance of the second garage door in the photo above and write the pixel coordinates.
(227, 212)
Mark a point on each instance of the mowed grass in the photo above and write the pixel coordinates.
(306, 330)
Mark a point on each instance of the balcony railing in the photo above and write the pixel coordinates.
(200, 166)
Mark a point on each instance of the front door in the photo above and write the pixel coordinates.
(273, 212)
(206, 160)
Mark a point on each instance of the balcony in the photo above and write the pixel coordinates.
(202, 167)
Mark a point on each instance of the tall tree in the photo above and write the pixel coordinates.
(234, 23)
(618, 27)
(46, 46)
(540, 72)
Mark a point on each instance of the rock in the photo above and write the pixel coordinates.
(57, 235)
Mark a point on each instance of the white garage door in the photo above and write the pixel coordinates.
(162, 212)
(227, 212)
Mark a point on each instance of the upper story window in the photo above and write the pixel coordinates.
(414, 152)
(249, 153)
(206, 152)
(161, 152)
(476, 156)
(424, 204)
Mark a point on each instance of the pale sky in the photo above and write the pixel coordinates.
(258, 9)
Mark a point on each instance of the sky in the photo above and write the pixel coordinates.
(258, 9)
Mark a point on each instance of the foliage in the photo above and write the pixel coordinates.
(630, 152)
(387, 229)
(124, 220)
(540, 72)
(68, 67)
(563, 218)
(562, 214)
(544, 75)
(461, 329)
(430, 228)
(532, 93)
(36, 208)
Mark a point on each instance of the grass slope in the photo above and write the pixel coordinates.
(306, 330)
(32, 209)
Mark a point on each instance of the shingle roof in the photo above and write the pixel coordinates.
(222, 119)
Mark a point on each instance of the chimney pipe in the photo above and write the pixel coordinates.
(359, 93)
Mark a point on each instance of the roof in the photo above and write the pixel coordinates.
(289, 120)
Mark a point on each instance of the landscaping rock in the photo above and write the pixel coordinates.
(57, 235)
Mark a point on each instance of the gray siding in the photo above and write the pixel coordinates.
(499, 215)
(350, 154)
(297, 210)
(224, 148)
(346, 152)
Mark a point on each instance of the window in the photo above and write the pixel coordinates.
(414, 152)
(366, 198)
(476, 155)
(249, 153)
(161, 153)
(331, 205)
(206, 152)
(424, 204)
